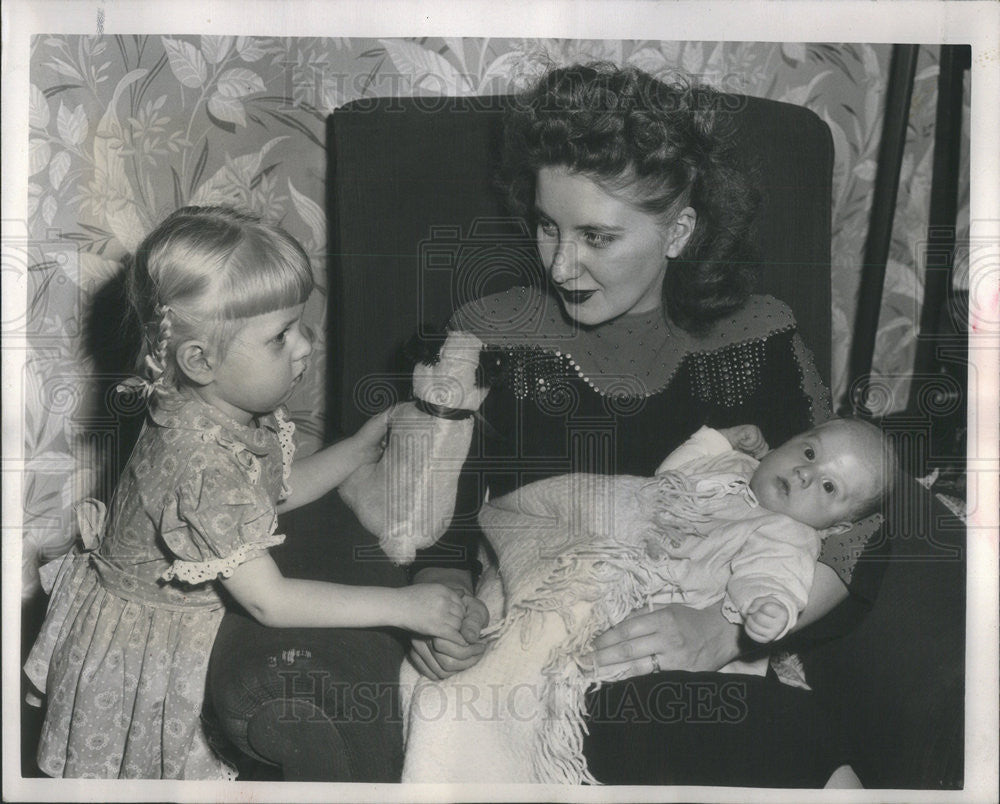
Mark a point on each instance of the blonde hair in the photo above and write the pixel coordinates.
(202, 269)
(883, 461)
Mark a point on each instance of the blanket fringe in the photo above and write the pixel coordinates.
(584, 574)
(679, 504)
(593, 583)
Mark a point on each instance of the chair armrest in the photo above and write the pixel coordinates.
(897, 681)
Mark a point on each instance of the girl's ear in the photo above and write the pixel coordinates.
(680, 232)
(196, 362)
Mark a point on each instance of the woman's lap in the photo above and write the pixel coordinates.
(345, 679)
(710, 729)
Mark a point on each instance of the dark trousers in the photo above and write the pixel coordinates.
(710, 729)
(319, 704)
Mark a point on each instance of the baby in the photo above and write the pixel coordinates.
(577, 553)
(822, 480)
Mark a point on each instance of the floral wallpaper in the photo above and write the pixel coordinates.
(124, 129)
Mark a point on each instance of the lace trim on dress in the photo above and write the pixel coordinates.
(196, 572)
(286, 439)
(248, 460)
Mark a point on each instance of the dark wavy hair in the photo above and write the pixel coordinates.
(662, 145)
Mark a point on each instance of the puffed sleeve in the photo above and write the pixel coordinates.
(216, 520)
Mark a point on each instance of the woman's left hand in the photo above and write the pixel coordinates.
(671, 637)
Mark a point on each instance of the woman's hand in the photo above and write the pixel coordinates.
(438, 658)
(679, 637)
(747, 438)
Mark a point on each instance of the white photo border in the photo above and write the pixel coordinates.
(902, 21)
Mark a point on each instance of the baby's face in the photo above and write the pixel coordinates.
(821, 476)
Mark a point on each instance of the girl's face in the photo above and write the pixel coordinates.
(266, 359)
(605, 256)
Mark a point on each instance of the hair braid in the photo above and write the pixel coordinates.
(157, 366)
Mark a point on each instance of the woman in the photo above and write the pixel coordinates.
(647, 331)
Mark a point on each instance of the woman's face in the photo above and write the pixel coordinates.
(605, 256)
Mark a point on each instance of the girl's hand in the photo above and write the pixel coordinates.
(438, 658)
(370, 439)
(747, 438)
(679, 637)
(766, 618)
(433, 609)
(316, 474)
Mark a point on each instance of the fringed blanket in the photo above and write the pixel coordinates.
(577, 554)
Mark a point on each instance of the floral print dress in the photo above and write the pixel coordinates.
(123, 653)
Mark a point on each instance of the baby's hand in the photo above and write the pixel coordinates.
(765, 619)
(433, 609)
(747, 438)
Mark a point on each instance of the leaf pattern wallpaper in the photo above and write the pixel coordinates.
(124, 129)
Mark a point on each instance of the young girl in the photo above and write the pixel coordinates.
(123, 652)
